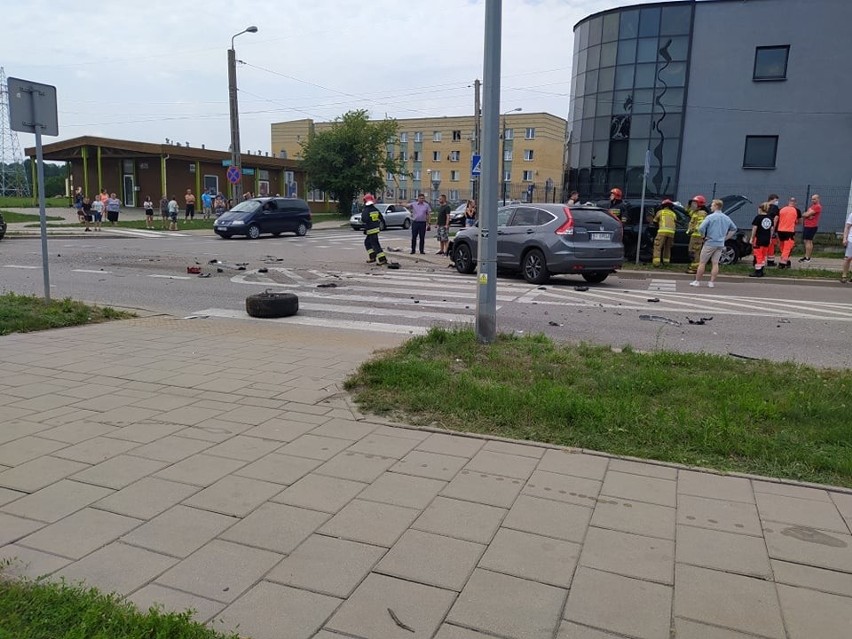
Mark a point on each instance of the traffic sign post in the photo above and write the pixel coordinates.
(233, 175)
(32, 109)
(475, 166)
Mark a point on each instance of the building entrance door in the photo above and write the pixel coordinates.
(129, 191)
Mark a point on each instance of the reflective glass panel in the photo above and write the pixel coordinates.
(676, 20)
(640, 126)
(608, 52)
(622, 102)
(610, 27)
(645, 75)
(629, 24)
(624, 77)
(618, 153)
(636, 152)
(586, 154)
(595, 26)
(643, 100)
(669, 126)
(583, 35)
(647, 51)
(626, 52)
(604, 103)
(600, 153)
(606, 79)
(602, 128)
(593, 57)
(649, 22)
(674, 75)
(591, 82)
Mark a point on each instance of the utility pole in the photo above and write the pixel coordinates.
(477, 132)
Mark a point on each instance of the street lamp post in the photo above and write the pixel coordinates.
(237, 188)
(503, 153)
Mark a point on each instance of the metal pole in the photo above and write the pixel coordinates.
(486, 302)
(641, 215)
(237, 188)
(477, 132)
(41, 204)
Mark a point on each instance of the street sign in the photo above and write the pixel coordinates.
(233, 175)
(475, 165)
(32, 104)
(248, 171)
(226, 163)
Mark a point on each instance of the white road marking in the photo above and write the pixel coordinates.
(320, 322)
(85, 270)
(172, 277)
(19, 266)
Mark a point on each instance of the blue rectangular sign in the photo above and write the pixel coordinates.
(476, 165)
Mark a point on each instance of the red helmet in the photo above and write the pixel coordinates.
(666, 202)
(616, 192)
(369, 199)
(700, 200)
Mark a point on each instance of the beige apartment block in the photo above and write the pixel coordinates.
(437, 153)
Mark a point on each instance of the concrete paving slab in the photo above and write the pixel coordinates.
(686, 629)
(38, 473)
(565, 488)
(491, 490)
(648, 558)
(27, 448)
(635, 517)
(213, 430)
(77, 432)
(727, 552)
(432, 465)
(511, 448)
(533, 557)
(117, 568)
(370, 522)
(327, 565)
(56, 501)
(29, 563)
(276, 527)
(367, 612)
(446, 631)
(147, 431)
(282, 430)
(383, 445)
(800, 512)
(649, 469)
(326, 494)
(191, 415)
(548, 518)
(356, 466)
(618, 604)
(831, 581)
(119, 472)
(220, 570)
(714, 486)
(502, 464)
(13, 528)
(128, 414)
(81, 533)
(571, 630)
(244, 448)
(744, 604)
(8, 496)
(273, 611)
(233, 495)
(651, 490)
(431, 559)
(508, 606)
(809, 546)
(461, 519)
(171, 449)
(717, 514)
(403, 490)
(279, 469)
(200, 470)
(15, 428)
(179, 531)
(451, 445)
(809, 614)
(315, 447)
(96, 450)
(566, 462)
(790, 490)
(171, 600)
(146, 498)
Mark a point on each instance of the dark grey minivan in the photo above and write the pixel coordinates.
(541, 240)
(258, 215)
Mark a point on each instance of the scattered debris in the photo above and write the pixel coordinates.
(263, 270)
(737, 355)
(416, 301)
(552, 323)
(394, 249)
(327, 285)
(397, 621)
(659, 318)
(193, 269)
(214, 262)
(204, 275)
(220, 270)
(653, 299)
(393, 265)
(700, 321)
(542, 288)
(581, 288)
(783, 321)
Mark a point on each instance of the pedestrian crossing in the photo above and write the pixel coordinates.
(148, 234)
(411, 302)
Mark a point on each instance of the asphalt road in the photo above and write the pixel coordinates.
(781, 320)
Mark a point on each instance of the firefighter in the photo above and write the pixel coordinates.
(665, 220)
(371, 218)
(697, 212)
(616, 205)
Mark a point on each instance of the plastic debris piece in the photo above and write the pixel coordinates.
(738, 356)
(204, 275)
(659, 318)
(193, 269)
(653, 299)
(581, 288)
(327, 285)
(263, 270)
(552, 323)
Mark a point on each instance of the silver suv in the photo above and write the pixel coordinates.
(541, 240)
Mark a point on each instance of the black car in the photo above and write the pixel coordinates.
(736, 248)
(275, 215)
(2, 227)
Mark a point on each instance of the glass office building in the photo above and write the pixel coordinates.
(628, 95)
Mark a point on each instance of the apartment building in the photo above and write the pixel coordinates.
(438, 154)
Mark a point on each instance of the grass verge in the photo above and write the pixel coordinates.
(11, 217)
(786, 420)
(42, 610)
(24, 313)
(32, 202)
(198, 224)
(797, 272)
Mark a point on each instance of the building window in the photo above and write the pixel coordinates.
(454, 195)
(770, 63)
(507, 176)
(403, 194)
(507, 156)
(416, 174)
(436, 136)
(456, 136)
(454, 176)
(403, 156)
(436, 176)
(436, 156)
(528, 155)
(403, 138)
(403, 177)
(390, 194)
(390, 154)
(391, 177)
(760, 151)
(418, 136)
(530, 133)
(417, 156)
(508, 134)
(455, 156)
(528, 176)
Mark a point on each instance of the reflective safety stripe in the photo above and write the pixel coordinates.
(372, 231)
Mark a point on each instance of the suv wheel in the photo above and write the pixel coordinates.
(253, 232)
(730, 253)
(463, 259)
(534, 267)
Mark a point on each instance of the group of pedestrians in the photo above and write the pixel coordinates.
(90, 211)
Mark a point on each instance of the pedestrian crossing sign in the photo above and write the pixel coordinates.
(475, 165)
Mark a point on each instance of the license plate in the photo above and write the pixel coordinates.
(600, 236)
(221, 228)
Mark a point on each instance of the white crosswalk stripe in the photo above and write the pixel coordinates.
(408, 303)
(663, 285)
(147, 234)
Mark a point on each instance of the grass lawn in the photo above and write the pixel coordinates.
(743, 268)
(41, 610)
(198, 224)
(752, 416)
(24, 313)
(31, 202)
(11, 217)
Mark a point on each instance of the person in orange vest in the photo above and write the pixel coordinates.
(697, 213)
(761, 238)
(665, 220)
(785, 227)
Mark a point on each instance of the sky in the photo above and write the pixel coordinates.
(148, 70)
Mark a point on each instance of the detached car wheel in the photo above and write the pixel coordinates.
(730, 253)
(272, 304)
(463, 259)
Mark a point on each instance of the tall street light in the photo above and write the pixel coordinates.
(237, 188)
(503, 152)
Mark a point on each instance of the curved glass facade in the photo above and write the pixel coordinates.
(627, 96)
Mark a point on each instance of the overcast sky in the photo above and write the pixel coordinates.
(149, 70)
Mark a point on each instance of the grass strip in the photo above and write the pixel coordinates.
(12, 217)
(743, 268)
(780, 420)
(9, 201)
(26, 313)
(198, 224)
(49, 610)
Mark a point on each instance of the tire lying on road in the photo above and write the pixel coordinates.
(271, 304)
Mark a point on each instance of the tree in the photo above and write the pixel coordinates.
(350, 157)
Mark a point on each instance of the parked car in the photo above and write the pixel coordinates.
(736, 248)
(2, 227)
(457, 216)
(544, 239)
(392, 214)
(259, 215)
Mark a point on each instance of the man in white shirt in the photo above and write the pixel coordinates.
(847, 243)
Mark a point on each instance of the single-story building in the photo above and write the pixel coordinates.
(135, 170)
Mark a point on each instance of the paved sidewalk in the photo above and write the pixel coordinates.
(219, 465)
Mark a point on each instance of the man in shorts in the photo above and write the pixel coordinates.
(715, 229)
(847, 244)
(810, 225)
(443, 225)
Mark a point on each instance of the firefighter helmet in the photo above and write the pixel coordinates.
(700, 200)
(369, 199)
(616, 192)
(666, 202)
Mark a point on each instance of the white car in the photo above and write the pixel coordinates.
(392, 214)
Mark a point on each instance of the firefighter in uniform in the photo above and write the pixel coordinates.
(697, 213)
(371, 218)
(665, 220)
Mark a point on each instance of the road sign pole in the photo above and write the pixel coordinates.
(41, 204)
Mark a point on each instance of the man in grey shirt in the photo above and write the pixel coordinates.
(716, 228)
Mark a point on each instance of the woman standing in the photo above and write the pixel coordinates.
(470, 213)
(112, 206)
(148, 205)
